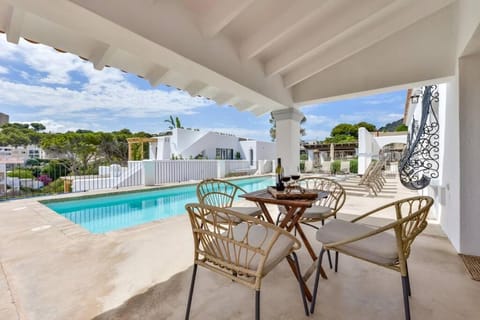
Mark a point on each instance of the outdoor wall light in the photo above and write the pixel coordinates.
(415, 97)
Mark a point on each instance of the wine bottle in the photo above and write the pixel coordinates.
(279, 173)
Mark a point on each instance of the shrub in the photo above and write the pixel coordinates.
(335, 166)
(54, 187)
(56, 169)
(302, 166)
(21, 173)
(354, 166)
(45, 179)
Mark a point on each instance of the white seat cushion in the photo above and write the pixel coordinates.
(380, 248)
(317, 212)
(249, 211)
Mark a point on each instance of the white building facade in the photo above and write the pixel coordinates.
(193, 144)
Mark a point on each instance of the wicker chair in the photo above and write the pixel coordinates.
(378, 245)
(325, 207)
(244, 252)
(222, 193)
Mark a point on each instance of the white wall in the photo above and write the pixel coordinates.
(382, 141)
(261, 150)
(287, 144)
(469, 113)
(365, 149)
(189, 143)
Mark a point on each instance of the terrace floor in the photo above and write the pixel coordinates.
(53, 269)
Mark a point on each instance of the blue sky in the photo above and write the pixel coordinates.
(60, 90)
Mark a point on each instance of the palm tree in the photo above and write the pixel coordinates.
(173, 123)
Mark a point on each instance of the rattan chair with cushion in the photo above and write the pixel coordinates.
(324, 207)
(222, 193)
(387, 246)
(240, 247)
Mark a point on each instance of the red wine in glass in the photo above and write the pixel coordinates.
(286, 179)
(295, 177)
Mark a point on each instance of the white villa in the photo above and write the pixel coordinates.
(194, 144)
(11, 154)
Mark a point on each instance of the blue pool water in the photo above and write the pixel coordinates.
(113, 212)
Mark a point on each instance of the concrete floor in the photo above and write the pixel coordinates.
(54, 269)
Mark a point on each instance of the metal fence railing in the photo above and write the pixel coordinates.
(57, 177)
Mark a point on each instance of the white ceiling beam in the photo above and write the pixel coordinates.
(14, 25)
(223, 98)
(294, 18)
(154, 76)
(358, 15)
(368, 35)
(221, 14)
(194, 87)
(243, 105)
(101, 55)
(175, 79)
(252, 107)
(209, 92)
(262, 110)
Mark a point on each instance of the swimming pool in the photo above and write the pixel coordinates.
(113, 212)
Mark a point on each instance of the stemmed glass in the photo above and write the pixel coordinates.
(285, 179)
(295, 176)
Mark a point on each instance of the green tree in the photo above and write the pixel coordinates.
(173, 123)
(37, 126)
(344, 129)
(370, 127)
(401, 127)
(80, 148)
(345, 132)
(340, 138)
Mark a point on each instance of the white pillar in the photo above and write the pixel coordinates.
(287, 141)
(221, 169)
(148, 172)
(365, 149)
(469, 115)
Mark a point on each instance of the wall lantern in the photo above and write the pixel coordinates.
(415, 97)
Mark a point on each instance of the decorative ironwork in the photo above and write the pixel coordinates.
(419, 162)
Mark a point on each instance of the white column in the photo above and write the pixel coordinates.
(287, 141)
(148, 172)
(365, 149)
(469, 115)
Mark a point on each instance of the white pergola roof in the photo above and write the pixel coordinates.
(258, 56)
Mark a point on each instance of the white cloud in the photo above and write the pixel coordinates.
(3, 70)
(370, 116)
(313, 119)
(382, 99)
(107, 91)
(316, 134)
(121, 99)
(8, 50)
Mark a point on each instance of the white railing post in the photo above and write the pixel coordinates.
(148, 172)
(221, 169)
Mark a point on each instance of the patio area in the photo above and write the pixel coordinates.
(54, 269)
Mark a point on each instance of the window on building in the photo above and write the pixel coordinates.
(224, 154)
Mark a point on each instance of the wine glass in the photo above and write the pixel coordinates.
(295, 176)
(285, 179)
